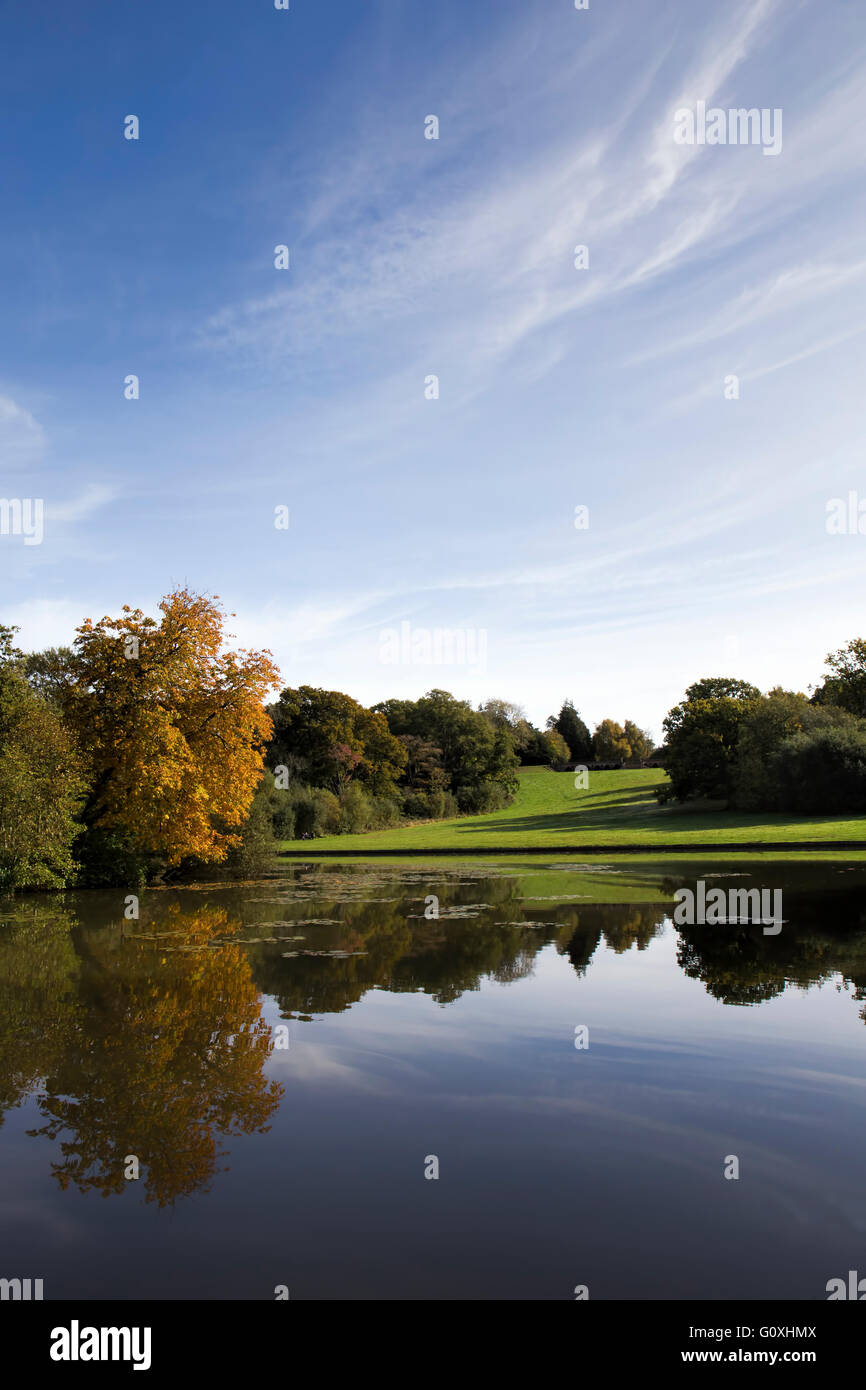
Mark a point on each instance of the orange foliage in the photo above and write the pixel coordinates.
(174, 727)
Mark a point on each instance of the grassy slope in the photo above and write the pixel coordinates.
(618, 808)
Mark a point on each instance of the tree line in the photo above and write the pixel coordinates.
(149, 749)
(783, 751)
(343, 768)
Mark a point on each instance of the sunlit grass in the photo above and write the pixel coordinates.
(618, 808)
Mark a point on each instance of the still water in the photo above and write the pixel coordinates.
(282, 1061)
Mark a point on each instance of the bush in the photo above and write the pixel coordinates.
(482, 796)
(450, 809)
(821, 773)
(317, 812)
(284, 819)
(107, 859)
(356, 810)
(360, 811)
(774, 720)
(385, 811)
(256, 853)
(419, 806)
(430, 805)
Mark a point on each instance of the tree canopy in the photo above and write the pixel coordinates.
(335, 739)
(569, 724)
(701, 736)
(41, 782)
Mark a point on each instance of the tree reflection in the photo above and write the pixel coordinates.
(162, 1055)
(149, 1040)
(38, 991)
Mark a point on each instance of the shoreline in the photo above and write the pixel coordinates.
(696, 847)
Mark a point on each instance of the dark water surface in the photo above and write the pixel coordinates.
(411, 1037)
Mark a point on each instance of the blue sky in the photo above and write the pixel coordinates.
(706, 551)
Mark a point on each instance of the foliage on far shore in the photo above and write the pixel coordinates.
(782, 751)
(148, 751)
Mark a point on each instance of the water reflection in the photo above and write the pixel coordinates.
(148, 1038)
(143, 1050)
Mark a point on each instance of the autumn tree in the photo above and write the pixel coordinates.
(609, 743)
(554, 747)
(639, 741)
(174, 727)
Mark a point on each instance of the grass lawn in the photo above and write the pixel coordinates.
(618, 808)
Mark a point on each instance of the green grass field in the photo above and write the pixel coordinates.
(619, 808)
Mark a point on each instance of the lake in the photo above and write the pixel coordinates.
(286, 1063)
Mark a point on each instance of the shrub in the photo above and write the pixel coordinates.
(356, 810)
(256, 853)
(107, 859)
(284, 819)
(482, 796)
(385, 811)
(774, 720)
(317, 812)
(450, 808)
(821, 773)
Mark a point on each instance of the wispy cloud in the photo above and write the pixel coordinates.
(93, 498)
(22, 439)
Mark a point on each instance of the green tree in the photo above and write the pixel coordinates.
(822, 772)
(256, 853)
(42, 783)
(336, 738)
(10, 656)
(478, 757)
(701, 736)
(846, 684)
(773, 718)
(569, 723)
(52, 673)
(424, 770)
(505, 715)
